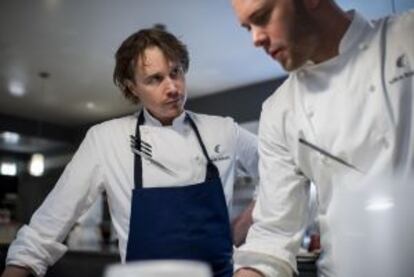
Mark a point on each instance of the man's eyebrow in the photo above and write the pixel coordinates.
(252, 18)
(261, 12)
(151, 75)
(255, 14)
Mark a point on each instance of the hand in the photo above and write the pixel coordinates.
(248, 272)
(15, 271)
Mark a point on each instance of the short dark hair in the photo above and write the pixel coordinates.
(134, 46)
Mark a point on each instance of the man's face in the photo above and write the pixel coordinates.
(159, 85)
(282, 27)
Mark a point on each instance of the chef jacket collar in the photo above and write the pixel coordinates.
(177, 123)
(356, 32)
(353, 36)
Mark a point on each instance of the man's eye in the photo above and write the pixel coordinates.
(176, 72)
(262, 17)
(154, 80)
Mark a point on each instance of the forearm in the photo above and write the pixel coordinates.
(247, 272)
(242, 224)
(31, 250)
(16, 271)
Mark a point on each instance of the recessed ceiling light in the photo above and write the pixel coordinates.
(90, 105)
(37, 164)
(9, 169)
(10, 137)
(17, 89)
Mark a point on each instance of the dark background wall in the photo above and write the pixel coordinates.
(243, 104)
(32, 191)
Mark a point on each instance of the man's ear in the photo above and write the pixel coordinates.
(131, 86)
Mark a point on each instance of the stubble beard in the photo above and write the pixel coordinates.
(303, 40)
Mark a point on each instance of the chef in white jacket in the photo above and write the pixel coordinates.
(345, 112)
(168, 173)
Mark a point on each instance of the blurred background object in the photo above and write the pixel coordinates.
(161, 268)
(373, 227)
(8, 206)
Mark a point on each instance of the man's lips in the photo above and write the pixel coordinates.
(275, 54)
(174, 101)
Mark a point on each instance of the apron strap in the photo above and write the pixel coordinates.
(137, 158)
(211, 171)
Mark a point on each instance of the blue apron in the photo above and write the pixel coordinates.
(188, 223)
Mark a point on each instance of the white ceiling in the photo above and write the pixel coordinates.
(75, 40)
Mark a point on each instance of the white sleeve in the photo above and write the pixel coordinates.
(39, 244)
(281, 209)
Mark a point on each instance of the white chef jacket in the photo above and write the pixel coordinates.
(104, 161)
(357, 106)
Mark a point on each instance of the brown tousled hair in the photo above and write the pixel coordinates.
(134, 46)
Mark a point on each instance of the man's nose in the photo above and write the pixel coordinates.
(258, 36)
(171, 86)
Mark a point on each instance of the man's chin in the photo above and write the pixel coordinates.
(290, 65)
(176, 112)
(286, 64)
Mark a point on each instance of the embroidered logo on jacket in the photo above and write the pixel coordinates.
(217, 148)
(402, 61)
(219, 157)
(402, 64)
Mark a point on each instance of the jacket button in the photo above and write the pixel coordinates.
(198, 159)
(362, 46)
(385, 142)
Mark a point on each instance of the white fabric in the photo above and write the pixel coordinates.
(104, 161)
(86, 232)
(357, 106)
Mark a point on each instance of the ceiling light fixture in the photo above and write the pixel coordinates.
(90, 105)
(10, 137)
(17, 89)
(37, 164)
(9, 169)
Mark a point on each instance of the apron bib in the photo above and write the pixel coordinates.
(184, 223)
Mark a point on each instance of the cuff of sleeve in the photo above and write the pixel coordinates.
(267, 265)
(33, 252)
